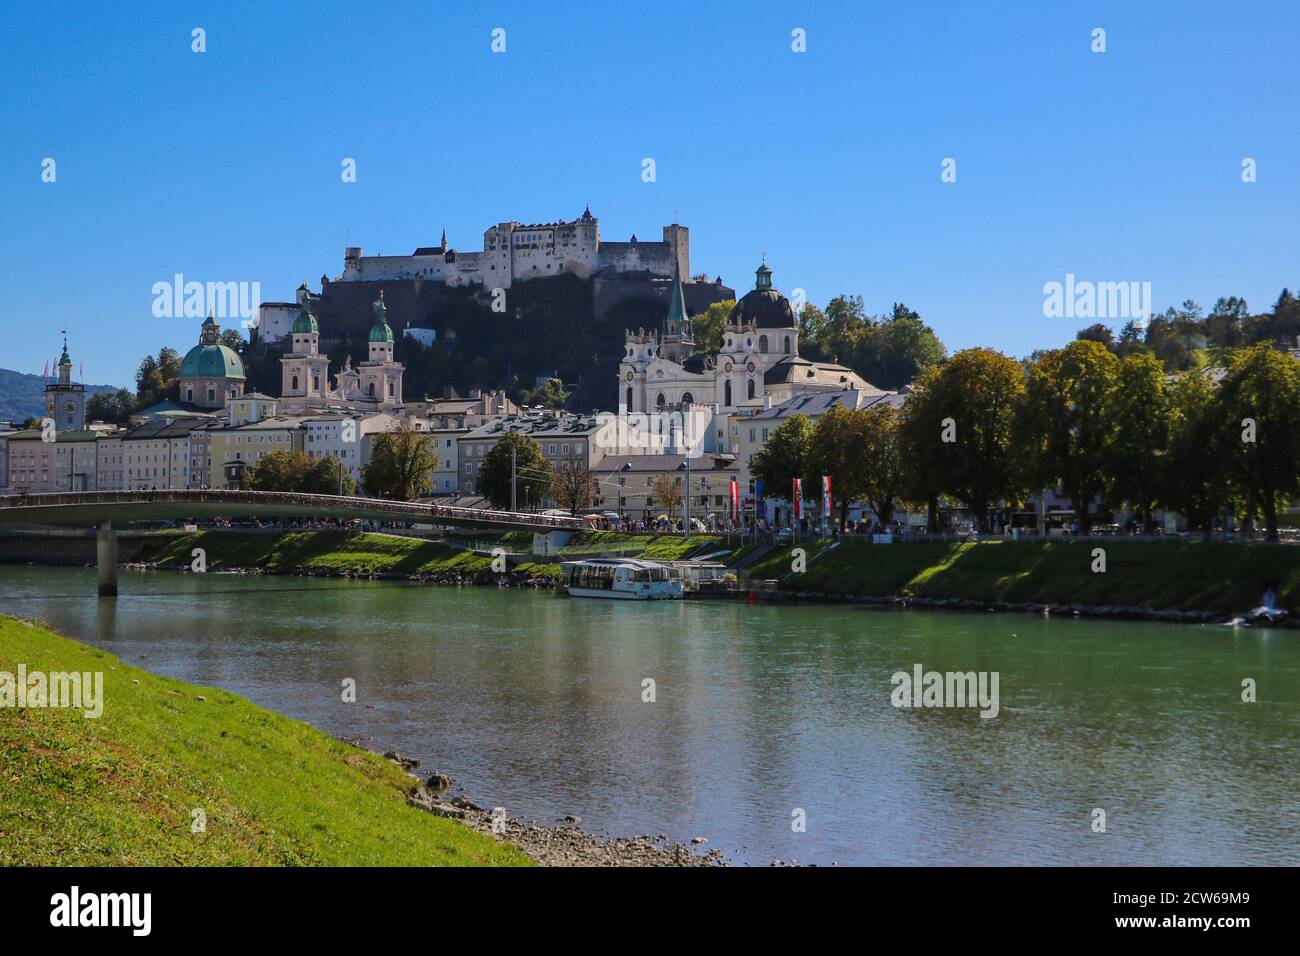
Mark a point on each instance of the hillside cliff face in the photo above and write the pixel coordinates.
(548, 327)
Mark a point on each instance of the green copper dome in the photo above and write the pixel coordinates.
(212, 361)
(306, 322)
(380, 332)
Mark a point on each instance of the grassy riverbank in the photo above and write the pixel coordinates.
(338, 552)
(1183, 575)
(354, 552)
(121, 789)
(1169, 575)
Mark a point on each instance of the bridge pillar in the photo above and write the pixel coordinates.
(550, 542)
(106, 556)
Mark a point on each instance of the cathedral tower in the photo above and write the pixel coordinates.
(304, 371)
(381, 376)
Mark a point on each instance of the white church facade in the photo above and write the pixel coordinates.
(757, 366)
(375, 383)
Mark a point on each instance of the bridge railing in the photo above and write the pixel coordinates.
(379, 506)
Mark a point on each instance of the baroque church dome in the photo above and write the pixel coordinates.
(763, 305)
(211, 359)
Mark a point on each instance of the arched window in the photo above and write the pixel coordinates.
(688, 398)
(787, 345)
(629, 398)
(189, 395)
(659, 402)
(762, 343)
(315, 383)
(727, 393)
(750, 388)
(370, 389)
(294, 386)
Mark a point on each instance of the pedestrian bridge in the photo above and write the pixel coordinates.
(84, 508)
(109, 509)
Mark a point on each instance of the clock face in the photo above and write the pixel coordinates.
(629, 375)
(727, 367)
(750, 365)
(69, 406)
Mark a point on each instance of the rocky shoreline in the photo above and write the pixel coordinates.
(564, 844)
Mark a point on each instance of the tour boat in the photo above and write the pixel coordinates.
(623, 579)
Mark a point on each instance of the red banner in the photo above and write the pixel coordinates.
(797, 503)
(735, 502)
(826, 496)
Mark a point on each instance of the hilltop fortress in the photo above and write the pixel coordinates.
(513, 252)
(516, 252)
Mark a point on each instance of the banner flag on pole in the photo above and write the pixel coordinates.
(735, 502)
(797, 503)
(826, 496)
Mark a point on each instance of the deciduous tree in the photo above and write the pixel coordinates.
(1065, 425)
(534, 475)
(400, 462)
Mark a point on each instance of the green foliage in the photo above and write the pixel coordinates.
(784, 457)
(550, 394)
(534, 475)
(114, 407)
(294, 471)
(1065, 424)
(400, 462)
(888, 351)
(973, 399)
(707, 326)
(1259, 401)
(881, 456)
(837, 450)
(157, 377)
(1137, 458)
(1196, 479)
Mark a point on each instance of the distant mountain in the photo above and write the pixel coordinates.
(22, 396)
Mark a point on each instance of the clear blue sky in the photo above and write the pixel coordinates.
(225, 165)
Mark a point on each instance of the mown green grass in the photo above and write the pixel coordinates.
(1188, 575)
(664, 547)
(120, 790)
(338, 551)
(597, 542)
(779, 561)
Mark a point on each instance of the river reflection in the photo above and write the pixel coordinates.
(535, 703)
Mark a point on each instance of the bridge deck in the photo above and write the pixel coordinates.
(86, 508)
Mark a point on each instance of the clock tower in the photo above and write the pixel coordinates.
(66, 401)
